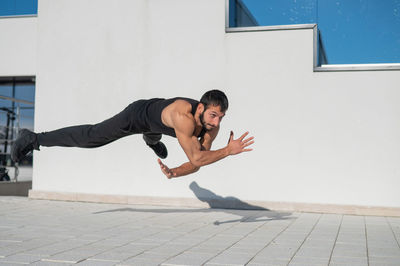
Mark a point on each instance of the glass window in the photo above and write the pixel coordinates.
(18, 7)
(15, 114)
(350, 31)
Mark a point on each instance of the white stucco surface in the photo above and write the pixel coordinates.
(18, 46)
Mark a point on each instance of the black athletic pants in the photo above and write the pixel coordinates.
(92, 136)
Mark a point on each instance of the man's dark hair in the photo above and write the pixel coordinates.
(215, 98)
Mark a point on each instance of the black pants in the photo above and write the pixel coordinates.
(92, 136)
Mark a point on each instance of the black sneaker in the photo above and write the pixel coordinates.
(25, 143)
(160, 149)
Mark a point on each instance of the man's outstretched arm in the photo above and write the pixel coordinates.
(200, 158)
(233, 147)
(185, 169)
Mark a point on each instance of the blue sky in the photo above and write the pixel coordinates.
(353, 31)
(18, 7)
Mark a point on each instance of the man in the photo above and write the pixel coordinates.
(195, 125)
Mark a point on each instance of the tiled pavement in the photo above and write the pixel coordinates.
(40, 232)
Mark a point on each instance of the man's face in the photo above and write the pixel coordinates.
(211, 117)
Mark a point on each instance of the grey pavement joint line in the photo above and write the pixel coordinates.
(236, 241)
(366, 239)
(394, 235)
(62, 240)
(196, 218)
(309, 233)
(63, 261)
(334, 244)
(214, 236)
(294, 220)
(127, 223)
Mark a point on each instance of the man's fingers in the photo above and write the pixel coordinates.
(244, 135)
(167, 172)
(230, 136)
(248, 139)
(248, 144)
(163, 166)
(247, 150)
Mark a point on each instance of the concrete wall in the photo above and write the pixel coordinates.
(18, 46)
(328, 137)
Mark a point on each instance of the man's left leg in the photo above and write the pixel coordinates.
(82, 136)
(153, 141)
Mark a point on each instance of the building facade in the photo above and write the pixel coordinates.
(324, 140)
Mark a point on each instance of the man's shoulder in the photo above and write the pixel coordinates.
(184, 105)
(182, 102)
(178, 114)
(185, 100)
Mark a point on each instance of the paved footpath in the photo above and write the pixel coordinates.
(40, 232)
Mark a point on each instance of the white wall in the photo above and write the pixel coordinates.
(320, 137)
(18, 46)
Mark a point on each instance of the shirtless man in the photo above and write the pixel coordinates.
(195, 125)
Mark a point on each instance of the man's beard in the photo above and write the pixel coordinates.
(203, 123)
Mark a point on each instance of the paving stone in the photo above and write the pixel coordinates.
(189, 258)
(268, 262)
(315, 243)
(383, 261)
(348, 252)
(314, 252)
(97, 263)
(169, 249)
(384, 252)
(349, 260)
(69, 257)
(142, 262)
(231, 258)
(21, 258)
(205, 249)
(347, 264)
(12, 263)
(284, 252)
(51, 263)
(388, 243)
(153, 256)
(114, 256)
(309, 261)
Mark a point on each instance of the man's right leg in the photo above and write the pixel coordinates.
(153, 141)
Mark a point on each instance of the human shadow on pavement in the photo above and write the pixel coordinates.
(217, 202)
(229, 205)
(235, 206)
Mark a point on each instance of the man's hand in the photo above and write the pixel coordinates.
(166, 171)
(239, 145)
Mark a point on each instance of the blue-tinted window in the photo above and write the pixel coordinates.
(15, 115)
(275, 12)
(360, 32)
(18, 7)
(350, 31)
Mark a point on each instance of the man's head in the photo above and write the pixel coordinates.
(214, 104)
(215, 98)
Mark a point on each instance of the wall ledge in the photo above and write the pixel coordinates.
(204, 203)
